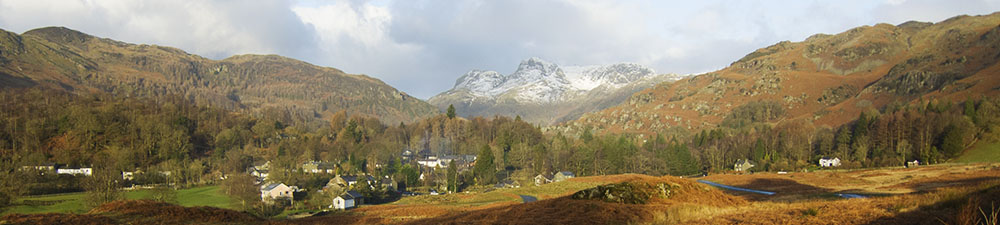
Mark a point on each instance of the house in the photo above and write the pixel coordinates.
(270, 192)
(743, 165)
(75, 171)
(130, 175)
(407, 155)
(426, 154)
(432, 163)
(262, 165)
(542, 179)
(913, 163)
(507, 184)
(43, 168)
(562, 175)
(829, 162)
(343, 181)
(358, 198)
(319, 167)
(343, 202)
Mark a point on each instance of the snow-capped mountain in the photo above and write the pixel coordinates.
(544, 92)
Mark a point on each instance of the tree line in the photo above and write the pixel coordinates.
(200, 145)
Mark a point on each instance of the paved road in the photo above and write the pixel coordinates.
(843, 195)
(735, 188)
(528, 199)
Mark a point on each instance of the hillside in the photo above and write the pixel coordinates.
(827, 80)
(65, 59)
(545, 93)
(950, 194)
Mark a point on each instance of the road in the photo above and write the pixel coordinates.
(843, 195)
(527, 198)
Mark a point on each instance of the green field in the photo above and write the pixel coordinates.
(983, 152)
(74, 202)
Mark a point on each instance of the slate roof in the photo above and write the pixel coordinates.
(270, 187)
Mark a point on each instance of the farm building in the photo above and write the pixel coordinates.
(829, 162)
(542, 179)
(344, 201)
(562, 175)
(743, 165)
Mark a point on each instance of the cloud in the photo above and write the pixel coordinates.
(215, 29)
(422, 46)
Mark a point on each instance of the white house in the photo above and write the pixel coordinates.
(77, 171)
(432, 163)
(828, 162)
(743, 165)
(273, 191)
(344, 201)
(562, 175)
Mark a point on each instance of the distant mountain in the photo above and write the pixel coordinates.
(543, 92)
(281, 87)
(827, 80)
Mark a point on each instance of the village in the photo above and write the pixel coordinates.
(351, 190)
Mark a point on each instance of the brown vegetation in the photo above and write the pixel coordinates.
(953, 194)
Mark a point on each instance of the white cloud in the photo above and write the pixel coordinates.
(212, 28)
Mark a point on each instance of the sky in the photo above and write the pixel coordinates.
(422, 46)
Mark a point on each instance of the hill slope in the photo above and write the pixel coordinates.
(826, 79)
(543, 92)
(66, 59)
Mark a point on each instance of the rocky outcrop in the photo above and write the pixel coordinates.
(545, 93)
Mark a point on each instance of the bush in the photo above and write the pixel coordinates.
(164, 194)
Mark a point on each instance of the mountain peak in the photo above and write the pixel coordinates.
(60, 35)
(542, 91)
(535, 63)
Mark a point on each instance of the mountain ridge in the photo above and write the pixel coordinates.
(290, 89)
(827, 80)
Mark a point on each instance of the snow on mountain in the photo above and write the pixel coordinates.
(539, 81)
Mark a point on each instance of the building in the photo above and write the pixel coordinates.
(75, 171)
(358, 198)
(274, 191)
(342, 181)
(562, 175)
(829, 162)
(507, 184)
(461, 161)
(542, 179)
(343, 202)
(319, 167)
(426, 154)
(743, 165)
(407, 155)
(432, 163)
(43, 168)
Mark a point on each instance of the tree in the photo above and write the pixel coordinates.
(485, 170)
(241, 190)
(452, 177)
(164, 194)
(411, 175)
(102, 187)
(451, 111)
(953, 141)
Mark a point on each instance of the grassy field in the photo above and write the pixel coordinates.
(983, 152)
(75, 203)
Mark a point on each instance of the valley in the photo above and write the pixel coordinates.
(878, 124)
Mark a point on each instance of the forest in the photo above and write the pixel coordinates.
(200, 145)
